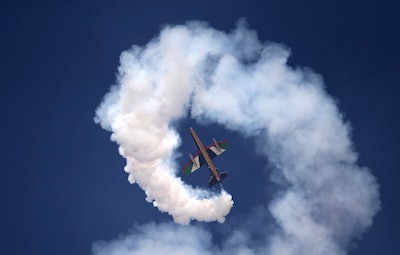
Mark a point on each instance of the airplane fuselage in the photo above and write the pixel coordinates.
(207, 158)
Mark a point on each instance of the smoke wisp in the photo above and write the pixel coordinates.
(327, 199)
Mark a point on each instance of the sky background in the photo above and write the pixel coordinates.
(63, 185)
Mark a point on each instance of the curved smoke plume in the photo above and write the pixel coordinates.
(327, 198)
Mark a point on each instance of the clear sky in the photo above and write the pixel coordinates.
(64, 187)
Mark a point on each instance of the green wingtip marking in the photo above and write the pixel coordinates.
(188, 169)
(224, 145)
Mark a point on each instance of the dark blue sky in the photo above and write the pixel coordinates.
(63, 183)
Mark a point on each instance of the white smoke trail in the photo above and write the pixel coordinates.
(328, 199)
(154, 88)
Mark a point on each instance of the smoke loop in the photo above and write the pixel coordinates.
(188, 69)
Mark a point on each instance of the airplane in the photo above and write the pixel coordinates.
(205, 155)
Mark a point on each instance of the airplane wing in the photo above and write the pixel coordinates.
(198, 160)
(215, 150)
(191, 166)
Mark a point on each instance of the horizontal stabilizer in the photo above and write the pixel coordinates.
(214, 181)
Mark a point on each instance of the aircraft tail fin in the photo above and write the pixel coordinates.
(214, 181)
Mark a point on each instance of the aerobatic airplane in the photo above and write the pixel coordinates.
(204, 156)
